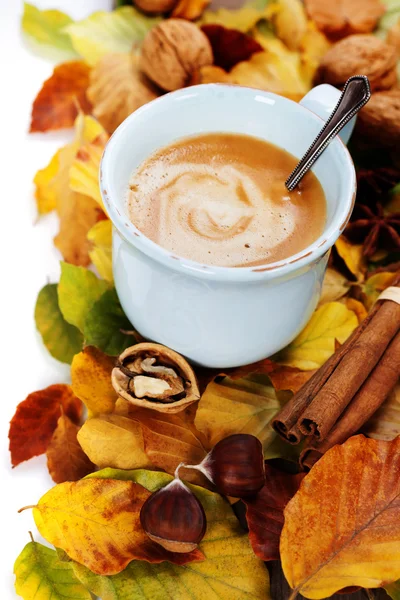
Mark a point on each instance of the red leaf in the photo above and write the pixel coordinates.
(230, 46)
(265, 512)
(56, 105)
(35, 420)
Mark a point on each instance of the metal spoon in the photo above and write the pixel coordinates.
(355, 95)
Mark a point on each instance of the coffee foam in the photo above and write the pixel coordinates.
(215, 212)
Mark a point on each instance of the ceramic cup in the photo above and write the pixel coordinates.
(223, 316)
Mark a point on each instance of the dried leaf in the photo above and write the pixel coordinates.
(114, 441)
(189, 9)
(100, 252)
(354, 491)
(46, 29)
(357, 307)
(289, 378)
(385, 423)
(230, 570)
(45, 194)
(84, 171)
(100, 525)
(61, 339)
(230, 46)
(290, 22)
(35, 420)
(66, 460)
(374, 285)
(78, 290)
(40, 575)
(106, 325)
(55, 106)
(261, 367)
(316, 343)
(265, 512)
(243, 19)
(91, 380)
(104, 32)
(313, 46)
(352, 255)
(335, 286)
(118, 88)
(237, 407)
(393, 590)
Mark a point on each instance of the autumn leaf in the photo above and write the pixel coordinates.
(61, 339)
(40, 575)
(55, 106)
(264, 513)
(100, 251)
(45, 194)
(189, 9)
(385, 423)
(357, 307)
(101, 525)
(335, 285)
(46, 29)
(114, 441)
(352, 255)
(393, 590)
(230, 46)
(289, 20)
(91, 380)
(66, 460)
(35, 420)
(106, 325)
(104, 32)
(230, 570)
(85, 168)
(237, 407)
(374, 285)
(316, 343)
(289, 378)
(78, 290)
(243, 19)
(354, 491)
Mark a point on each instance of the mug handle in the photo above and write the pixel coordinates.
(321, 100)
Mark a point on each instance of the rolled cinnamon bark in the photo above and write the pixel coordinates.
(365, 403)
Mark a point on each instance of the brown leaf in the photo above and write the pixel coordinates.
(289, 378)
(265, 512)
(189, 9)
(56, 105)
(230, 46)
(35, 420)
(66, 460)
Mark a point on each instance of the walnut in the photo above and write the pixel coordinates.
(172, 51)
(344, 17)
(359, 54)
(379, 120)
(155, 6)
(153, 376)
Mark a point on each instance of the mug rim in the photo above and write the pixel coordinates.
(154, 251)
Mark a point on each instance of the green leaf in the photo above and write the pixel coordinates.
(40, 575)
(106, 324)
(230, 572)
(45, 30)
(78, 290)
(61, 339)
(104, 32)
(393, 589)
(391, 16)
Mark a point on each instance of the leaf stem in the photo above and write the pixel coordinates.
(26, 507)
(294, 594)
(31, 536)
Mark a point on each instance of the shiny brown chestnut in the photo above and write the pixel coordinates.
(235, 466)
(174, 518)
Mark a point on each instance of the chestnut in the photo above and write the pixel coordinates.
(235, 466)
(174, 518)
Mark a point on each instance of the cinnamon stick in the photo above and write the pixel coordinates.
(286, 423)
(365, 403)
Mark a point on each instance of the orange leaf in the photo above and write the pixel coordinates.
(56, 105)
(289, 378)
(342, 528)
(265, 512)
(66, 460)
(357, 307)
(35, 420)
(189, 9)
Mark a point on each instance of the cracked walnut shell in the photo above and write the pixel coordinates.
(172, 51)
(154, 376)
(379, 120)
(344, 17)
(359, 54)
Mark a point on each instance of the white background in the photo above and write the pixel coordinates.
(28, 260)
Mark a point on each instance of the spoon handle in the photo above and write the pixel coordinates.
(355, 95)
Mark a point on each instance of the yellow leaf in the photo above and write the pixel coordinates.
(352, 256)
(189, 9)
(91, 380)
(96, 522)
(243, 19)
(385, 423)
(290, 21)
(357, 307)
(114, 441)
(84, 171)
(45, 195)
(313, 46)
(239, 406)
(375, 285)
(316, 343)
(100, 252)
(342, 527)
(334, 286)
